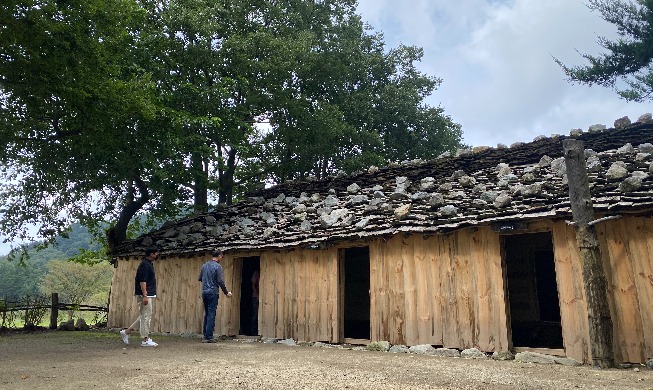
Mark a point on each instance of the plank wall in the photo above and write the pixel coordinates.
(627, 250)
(442, 290)
(178, 306)
(299, 295)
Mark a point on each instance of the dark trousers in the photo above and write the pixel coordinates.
(254, 320)
(210, 305)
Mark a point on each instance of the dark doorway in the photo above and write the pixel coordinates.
(356, 302)
(532, 291)
(249, 295)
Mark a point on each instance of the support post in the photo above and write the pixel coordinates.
(594, 279)
(54, 310)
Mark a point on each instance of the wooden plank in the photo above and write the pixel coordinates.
(408, 285)
(545, 351)
(498, 321)
(333, 295)
(423, 304)
(644, 276)
(485, 282)
(376, 288)
(266, 295)
(628, 338)
(573, 310)
(448, 289)
(396, 324)
(312, 304)
(465, 289)
(438, 248)
(300, 282)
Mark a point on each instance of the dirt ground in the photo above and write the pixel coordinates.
(99, 360)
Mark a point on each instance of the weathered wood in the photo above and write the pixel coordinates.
(54, 310)
(594, 278)
(571, 293)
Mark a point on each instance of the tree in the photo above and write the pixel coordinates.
(629, 59)
(76, 119)
(111, 110)
(74, 282)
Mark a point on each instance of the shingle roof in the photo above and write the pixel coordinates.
(479, 186)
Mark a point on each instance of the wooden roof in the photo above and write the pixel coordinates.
(477, 187)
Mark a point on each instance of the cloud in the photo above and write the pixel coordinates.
(496, 61)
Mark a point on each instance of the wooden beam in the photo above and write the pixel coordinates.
(600, 322)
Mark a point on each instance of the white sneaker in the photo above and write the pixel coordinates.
(125, 336)
(148, 343)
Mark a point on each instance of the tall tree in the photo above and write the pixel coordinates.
(627, 66)
(113, 109)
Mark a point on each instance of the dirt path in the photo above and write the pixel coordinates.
(99, 360)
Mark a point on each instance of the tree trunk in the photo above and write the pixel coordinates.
(117, 234)
(594, 279)
(201, 184)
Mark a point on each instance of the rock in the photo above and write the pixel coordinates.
(617, 170)
(534, 357)
(622, 123)
(67, 325)
(631, 184)
(81, 324)
(503, 355)
(289, 342)
(422, 349)
(446, 352)
(449, 211)
(645, 148)
(353, 188)
(597, 128)
(402, 211)
(398, 349)
(383, 346)
(626, 149)
(567, 362)
(502, 200)
(472, 353)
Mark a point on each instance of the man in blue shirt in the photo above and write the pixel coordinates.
(211, 278)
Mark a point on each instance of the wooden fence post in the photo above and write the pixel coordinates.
(600, 322)
(54, 311)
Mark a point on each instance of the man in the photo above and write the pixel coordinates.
(254, 320)
(145, 291)
(211, 278)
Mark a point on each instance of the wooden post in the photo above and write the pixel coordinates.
(54, 311)
(600, 322)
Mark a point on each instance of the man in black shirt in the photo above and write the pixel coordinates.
(145, 291)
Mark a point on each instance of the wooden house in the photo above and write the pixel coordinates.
(472, 250)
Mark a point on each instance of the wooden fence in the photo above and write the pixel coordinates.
(33, 310)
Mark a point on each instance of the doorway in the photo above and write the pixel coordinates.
(532, 291)
(250, 274)
(355, 282)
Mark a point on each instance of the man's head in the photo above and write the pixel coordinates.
(217, 254)
(151, 252)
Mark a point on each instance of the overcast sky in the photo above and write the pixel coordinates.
(499, 80)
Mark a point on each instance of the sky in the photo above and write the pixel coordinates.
(495, 59)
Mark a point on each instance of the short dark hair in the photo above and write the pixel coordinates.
(151, 249)
(217, 253)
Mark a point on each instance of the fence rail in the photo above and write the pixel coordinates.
(35, 307)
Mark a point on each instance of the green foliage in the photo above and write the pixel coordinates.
(20, 280)
(76, 283)
(116, 111)
(629, 59)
